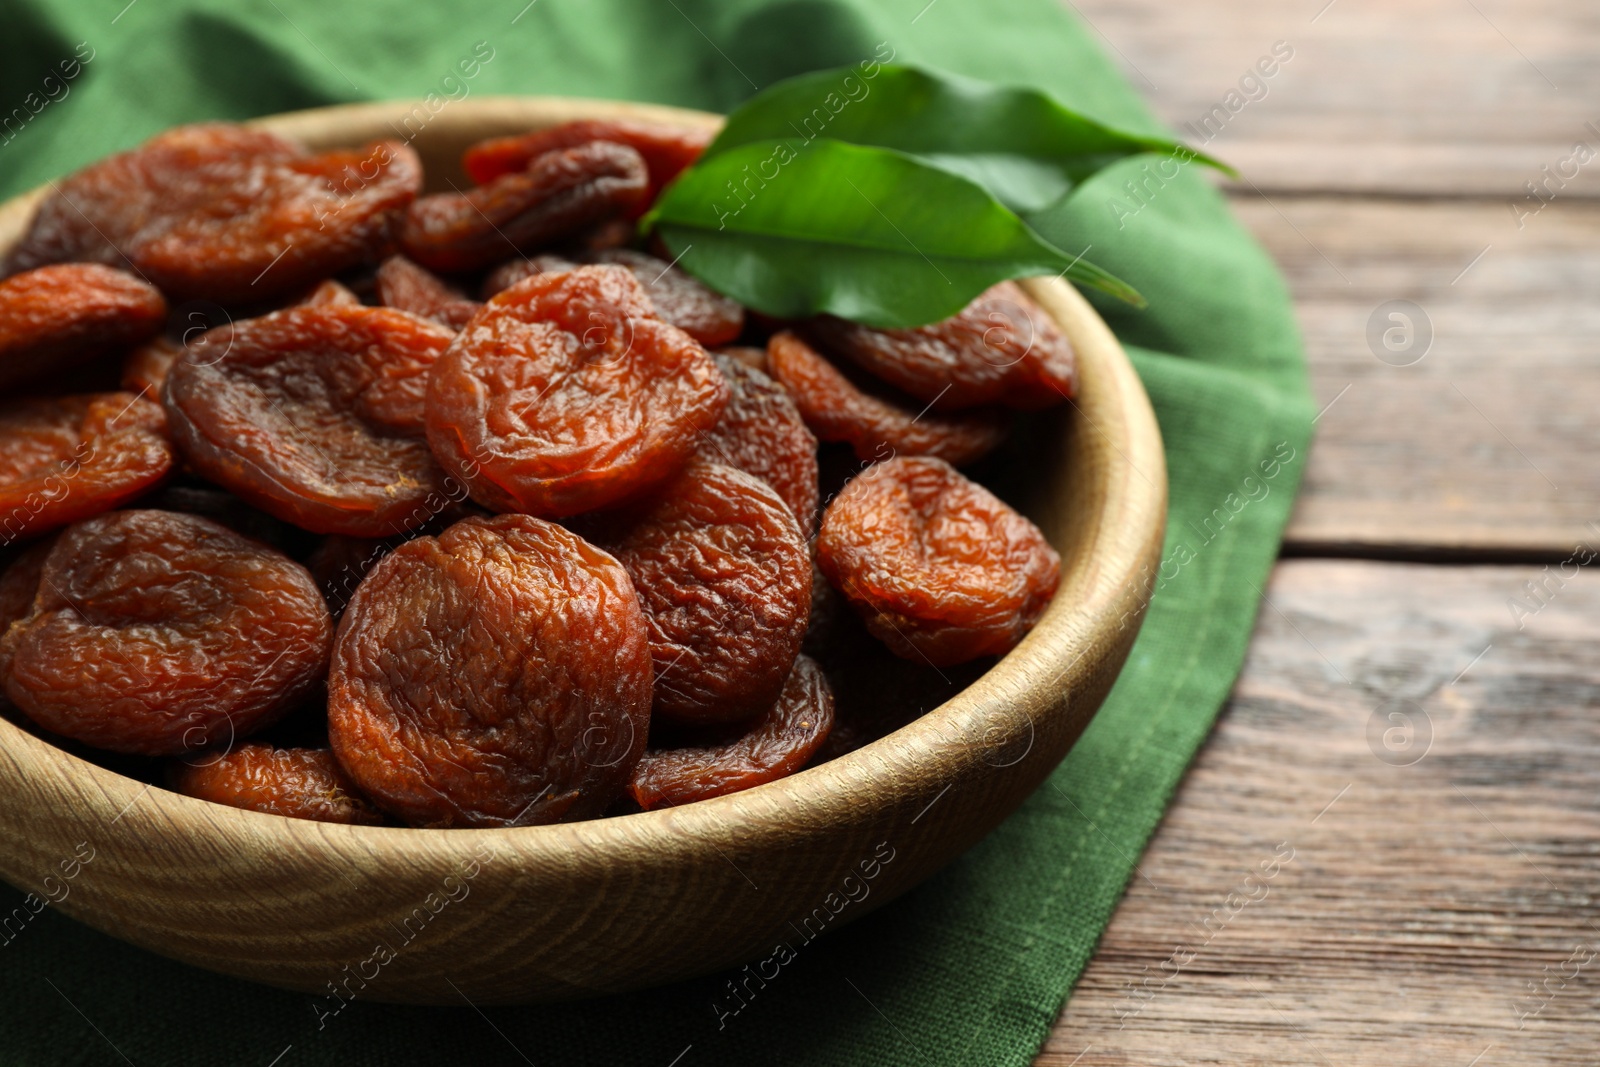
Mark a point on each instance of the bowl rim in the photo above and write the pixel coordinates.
(1104, 582)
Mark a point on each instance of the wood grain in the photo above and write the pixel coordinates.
(1421, 900)
(612, 904)
(1422, 97)
(1487, 442)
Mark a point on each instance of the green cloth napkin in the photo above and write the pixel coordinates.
(972, 967)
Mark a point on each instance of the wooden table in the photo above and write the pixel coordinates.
(1439, 908)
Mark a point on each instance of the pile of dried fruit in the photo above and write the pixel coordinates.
(462, 512)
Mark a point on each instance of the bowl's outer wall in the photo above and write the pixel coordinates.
(545, 913)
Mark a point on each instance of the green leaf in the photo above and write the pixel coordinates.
(868, 234)
(1022, 145)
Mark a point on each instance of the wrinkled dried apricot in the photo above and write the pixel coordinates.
(407, 286)
(566, 394)
(667, 150)
(761, 433)
(227, 213)
(1000, 349)
(559, 194)
(773, 746)
(315, 415)
(679, 298)
(157, 634)
(297, 783)
(876, 425)
(71, 457)
(938, 567)
(496, 675)
(725, 581)
(19, 582)
(64, 316)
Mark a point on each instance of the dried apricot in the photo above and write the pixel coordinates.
(495, 675)
(725, 580)
(938, 567)
(750, 754)
(559, 194)
(1000, 349)
(315, 415)
(749, 355)
(761, 433)
(566, 394)
(680, 298)
(145, 369)
(667, 150)
(227, 213)
(19, 583)
(64, 316)
(702, 313)
(157, 634)
(297, 783)
(404, 285)
(68, 458)
(876, 425)
(330, 292)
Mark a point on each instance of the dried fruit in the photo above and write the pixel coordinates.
(1001, 349)
(58, 317)
(559, 194)
(227, 213)
(297, 783)
(876, 426)
(495, 675)
(145, 369)
(404, 285)
(667, 150)
(733, 759)
(761, 433)
(157, 634)
(725, 581)
(315, 415)
(679, 298)
(68, 458)
(749, 355)
(330, 292)
(19, 583)
(566, 394)
(936, 565)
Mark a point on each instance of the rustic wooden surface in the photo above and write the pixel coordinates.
(1439, 913)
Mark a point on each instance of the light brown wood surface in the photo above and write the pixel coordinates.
(1425, 898)
(1426, 116)
(1430, 911)
(619, 903)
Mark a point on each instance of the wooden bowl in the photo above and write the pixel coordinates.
(554, 912)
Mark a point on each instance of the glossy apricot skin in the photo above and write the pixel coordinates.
(1000, 349)
(297, 783)
(937, 567)
(408, 286)
(724, 577)
(876, 425)
(69, 458)
(567, 393)
(496, 675)
(160, 634)
(227, 213)
(63, 316)
(761, 433)
(732, 759)
(315, 415)
(666, 150)
(560, 194)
